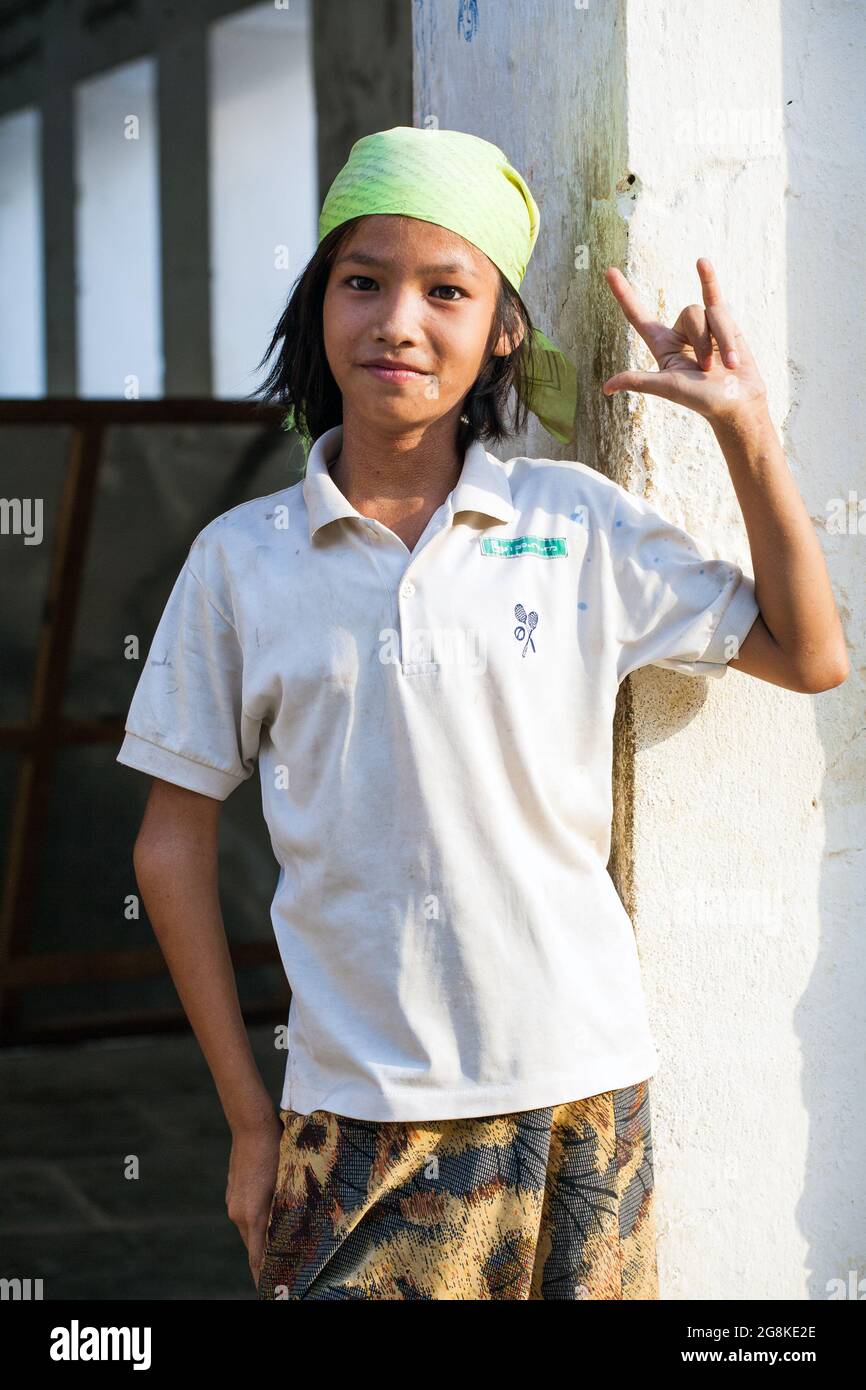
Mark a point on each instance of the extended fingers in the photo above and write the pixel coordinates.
(696, 325)
(634, 309)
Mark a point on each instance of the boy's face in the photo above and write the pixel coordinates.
(416, 293)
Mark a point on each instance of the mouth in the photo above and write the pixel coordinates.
(395, 374)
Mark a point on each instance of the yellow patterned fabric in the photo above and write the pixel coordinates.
(556, 1203)
(467, 185)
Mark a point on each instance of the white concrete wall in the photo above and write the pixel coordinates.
(653, 135)
(748, 857)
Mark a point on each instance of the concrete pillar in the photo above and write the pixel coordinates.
(184, 205)
(649, 138)
(58, 212)
(362, 63)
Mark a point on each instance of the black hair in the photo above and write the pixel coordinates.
(301, 379)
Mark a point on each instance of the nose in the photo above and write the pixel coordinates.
(397, 318)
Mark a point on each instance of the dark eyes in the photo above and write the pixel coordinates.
(455, 288)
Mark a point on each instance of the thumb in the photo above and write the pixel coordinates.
(653, 383)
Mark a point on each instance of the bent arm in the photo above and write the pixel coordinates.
(176, 865)
(798, 640)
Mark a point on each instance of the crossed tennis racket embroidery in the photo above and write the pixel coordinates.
(526, 623)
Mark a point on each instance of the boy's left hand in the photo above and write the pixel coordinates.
(704, 360)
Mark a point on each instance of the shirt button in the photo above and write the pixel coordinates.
(408, 589)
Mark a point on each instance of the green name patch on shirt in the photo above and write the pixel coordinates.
(547, 546)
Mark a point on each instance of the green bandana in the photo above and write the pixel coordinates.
(467, 185)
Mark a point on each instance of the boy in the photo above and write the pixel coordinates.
(421, 647)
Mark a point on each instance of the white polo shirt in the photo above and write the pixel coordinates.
(433, 731)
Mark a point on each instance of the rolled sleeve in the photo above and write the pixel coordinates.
(673, 607)
(186, 723)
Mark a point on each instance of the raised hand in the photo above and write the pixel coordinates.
(704, 361)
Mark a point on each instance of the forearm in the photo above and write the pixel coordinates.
(179, 887)
(792, 585)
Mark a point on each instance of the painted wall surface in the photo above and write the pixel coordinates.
(651, 136)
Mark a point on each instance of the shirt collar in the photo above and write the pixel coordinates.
(482, 486)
